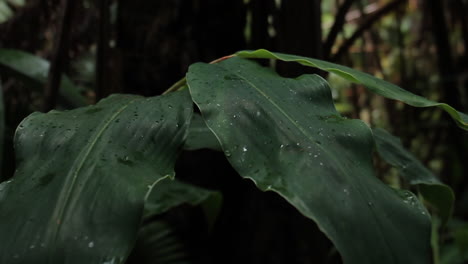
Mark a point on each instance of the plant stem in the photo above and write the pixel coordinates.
(182, 82)
(59, 57)
(176, 86)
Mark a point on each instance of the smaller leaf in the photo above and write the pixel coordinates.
(200, 136)
(34, 70)
(170, 193)
(411, 169)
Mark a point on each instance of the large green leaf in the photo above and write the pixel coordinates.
(83, 177)
(411, 169)
(33, 70)
(372, 83)
(286, 136)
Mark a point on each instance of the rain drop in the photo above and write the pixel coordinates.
(227, 153)
(244, 149)
(321, 164)
(91, 244)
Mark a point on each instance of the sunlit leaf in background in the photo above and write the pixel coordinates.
(33, 70)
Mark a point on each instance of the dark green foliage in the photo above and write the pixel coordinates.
(88, 178)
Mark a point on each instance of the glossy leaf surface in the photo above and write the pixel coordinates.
(286, 136)
(372, 83)
(83, 177)
(412, 170)
(33, 70)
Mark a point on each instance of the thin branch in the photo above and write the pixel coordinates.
(59, 56)
(337, 27)
(368, 22)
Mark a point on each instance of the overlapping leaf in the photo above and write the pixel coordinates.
(372, 83)
(171, 193)
(286, 136)
(83, 177)
(200, 136)
(412, 170)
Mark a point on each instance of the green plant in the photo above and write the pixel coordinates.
(85, 176)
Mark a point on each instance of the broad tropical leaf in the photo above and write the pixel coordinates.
(83, 177)
(372, 83)
(411, 169)
(286, 136)
(33, 70)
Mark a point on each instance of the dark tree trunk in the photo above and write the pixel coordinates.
(299, 31)
(456, 150)
(160, 39)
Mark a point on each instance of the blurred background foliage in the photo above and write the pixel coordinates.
(96, 48)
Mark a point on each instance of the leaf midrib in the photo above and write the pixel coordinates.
(300, 128)
(60, 211)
